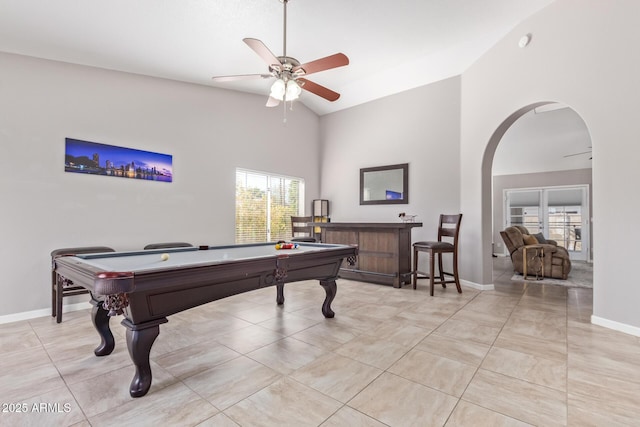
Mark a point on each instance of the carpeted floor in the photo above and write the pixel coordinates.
(581, 276)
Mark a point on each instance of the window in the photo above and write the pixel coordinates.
(265, 204)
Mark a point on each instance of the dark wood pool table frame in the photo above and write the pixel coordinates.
(146, 298)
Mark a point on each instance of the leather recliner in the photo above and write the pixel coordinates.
(556, 261)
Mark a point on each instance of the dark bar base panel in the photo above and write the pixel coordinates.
(384, 250)
(373, 277)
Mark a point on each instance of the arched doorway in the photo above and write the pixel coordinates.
(540, 152)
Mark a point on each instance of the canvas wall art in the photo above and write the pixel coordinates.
(101, 159)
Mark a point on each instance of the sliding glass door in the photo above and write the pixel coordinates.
(560, 213)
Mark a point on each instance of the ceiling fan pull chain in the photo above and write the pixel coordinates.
(284, 114)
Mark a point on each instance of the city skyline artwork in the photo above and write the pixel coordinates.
(109, 160)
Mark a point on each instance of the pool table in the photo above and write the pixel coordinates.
(147, 286)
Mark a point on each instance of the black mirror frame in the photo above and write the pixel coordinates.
(405, 185)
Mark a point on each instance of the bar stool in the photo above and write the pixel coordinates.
(449, 227)
(62, 287)
(300, 231)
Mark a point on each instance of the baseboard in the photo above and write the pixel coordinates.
(26, 315)
(616, 326)
(477, 286)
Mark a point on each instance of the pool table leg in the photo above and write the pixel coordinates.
(100, 318)
(330, 288)
(140, 338)
(280, 293)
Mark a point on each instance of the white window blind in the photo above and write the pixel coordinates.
(265, 204)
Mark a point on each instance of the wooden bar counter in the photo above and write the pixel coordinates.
(384, 249)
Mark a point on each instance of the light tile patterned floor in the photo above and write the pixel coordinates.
(524, 354)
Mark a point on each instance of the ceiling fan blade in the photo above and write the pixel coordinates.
(262, 51)
(326, 63)
(319, 90)
(241, 77)
(272, 102)
(577, 154)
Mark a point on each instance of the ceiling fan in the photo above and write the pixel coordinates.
(289, 73)
(581, 153)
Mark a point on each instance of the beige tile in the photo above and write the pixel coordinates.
(172, 406)
(372, 351)
(27, 373)
(494, 319)
(260, 312)
(192, 360)
(72, 343)
(539, 329)
(465, 330)
(284, 403)
(465, 351)
(399, 331)
(248, 339)
(288, 323)
(53, 408)
(614, 392)
(446, 375)
(73, 324)
(111, 389)
(328, 335)
(601, 409)
(534, 345)
(286, 355)
(359, 322)
(230, 382)
(207, 323)
(338, 377)
(347, 416)
(177, 334)
(396, 401)
(551, 304)
(468, 414)
(546, 317)
(219, 420)
(517, 399)
(500, 305)
(81, 364)
(375, 311)
(548, 331)
(535, 369)
(18, 336)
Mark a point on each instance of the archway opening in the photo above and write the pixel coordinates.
(542, 150)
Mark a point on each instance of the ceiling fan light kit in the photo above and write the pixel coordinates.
(288, 71)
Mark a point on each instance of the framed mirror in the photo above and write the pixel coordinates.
(385, 185)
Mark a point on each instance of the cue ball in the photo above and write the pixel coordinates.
(164, 257)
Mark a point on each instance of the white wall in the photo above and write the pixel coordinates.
(208, 131)
(419, 127)
(582, 55)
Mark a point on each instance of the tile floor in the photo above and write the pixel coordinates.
(523, 354)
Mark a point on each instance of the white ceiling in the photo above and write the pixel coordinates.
(544, 142)
(393, 45)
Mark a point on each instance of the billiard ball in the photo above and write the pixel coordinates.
(164, 257)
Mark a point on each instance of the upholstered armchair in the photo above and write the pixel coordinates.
(556, 260)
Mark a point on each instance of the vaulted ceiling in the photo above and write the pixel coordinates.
(393, 45)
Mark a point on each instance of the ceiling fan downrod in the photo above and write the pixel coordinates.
(284, 36)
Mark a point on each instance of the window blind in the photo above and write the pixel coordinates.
(265, 204)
